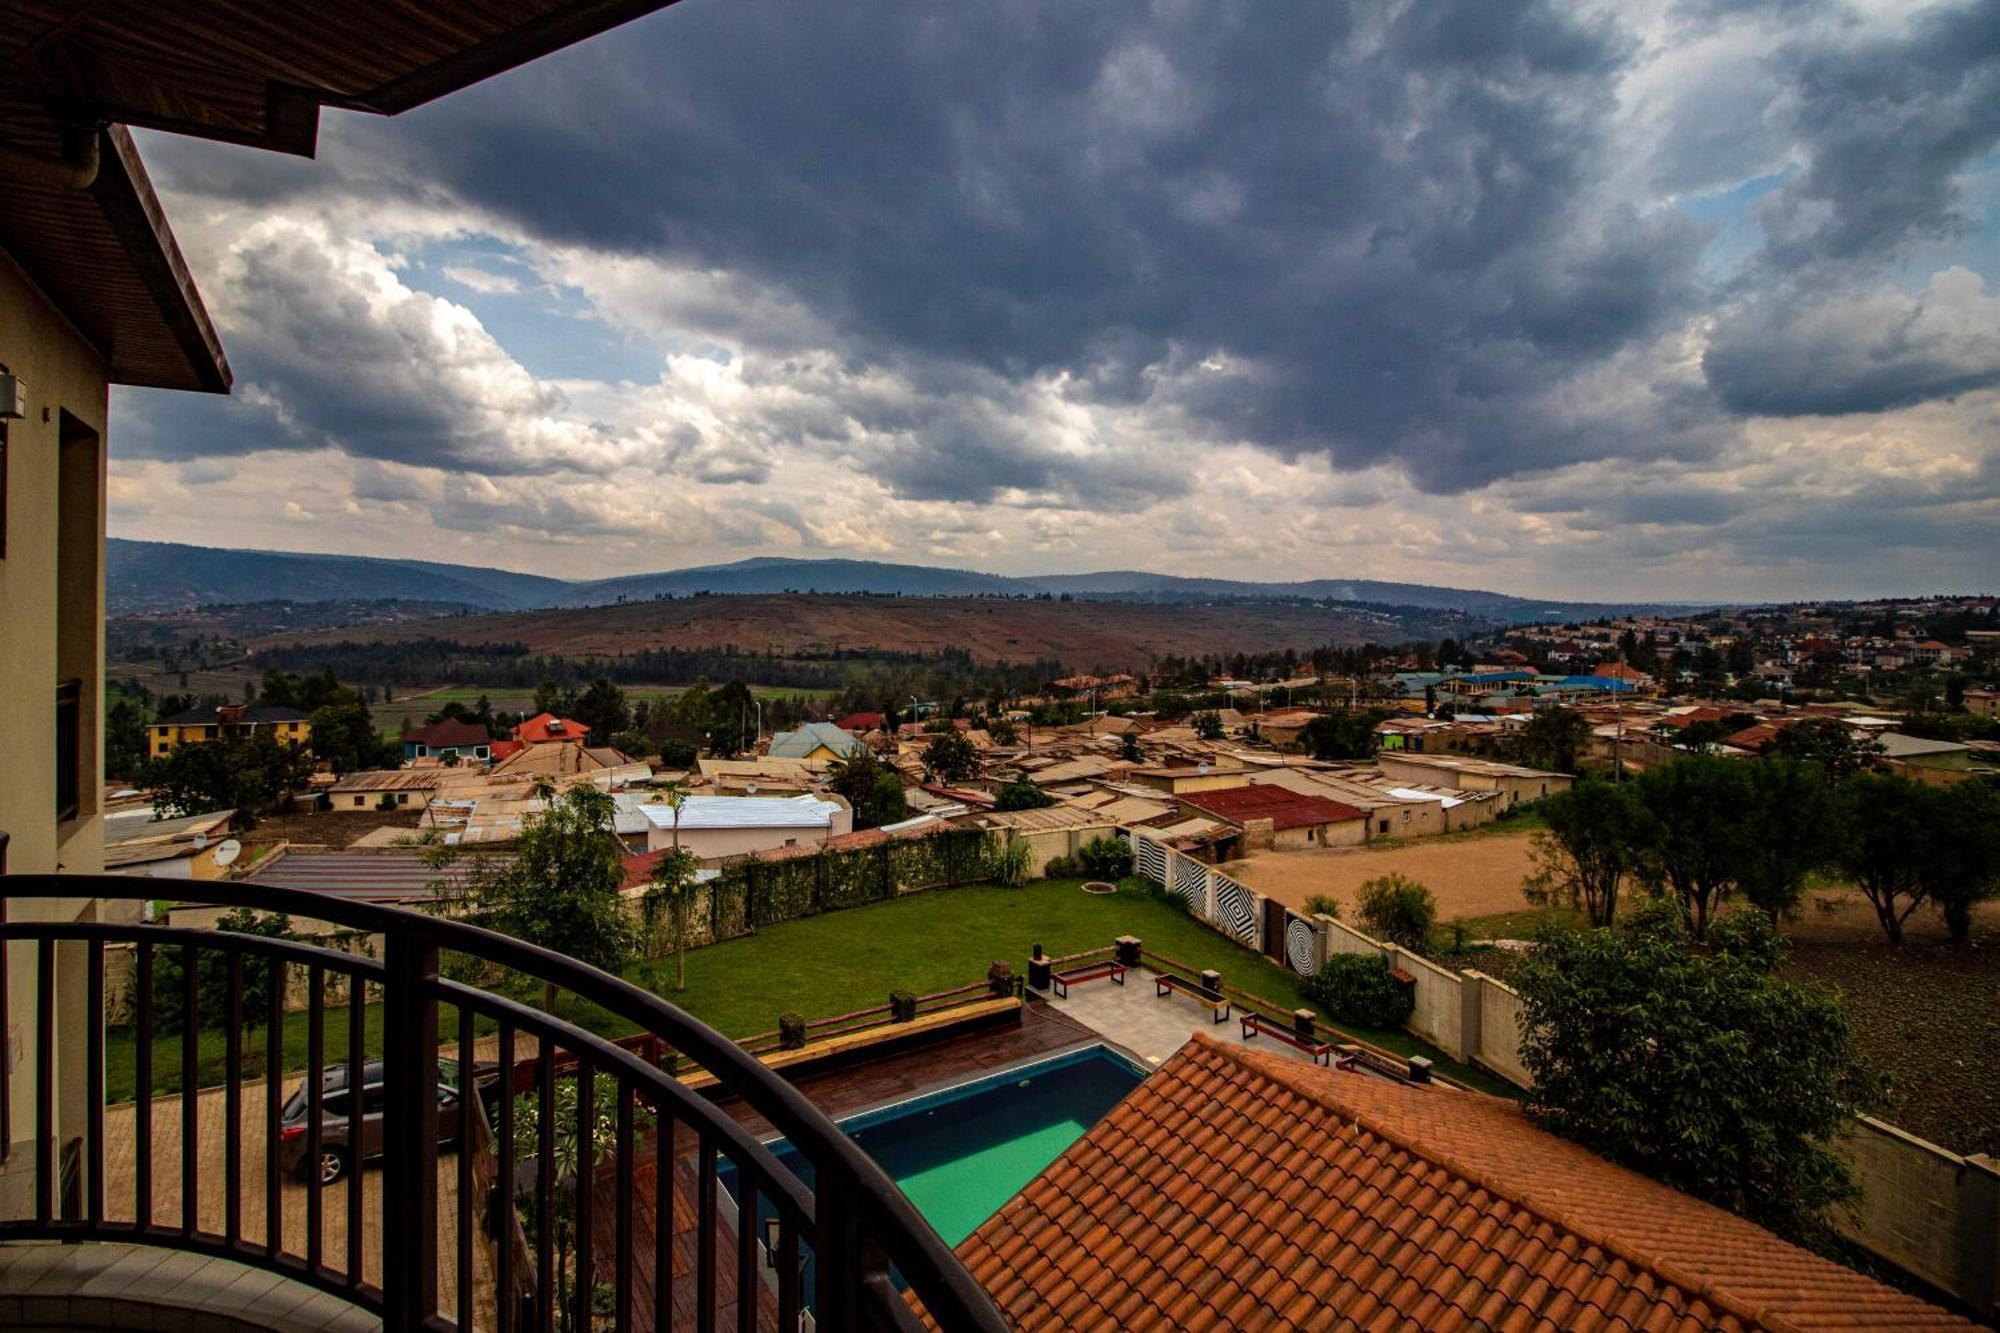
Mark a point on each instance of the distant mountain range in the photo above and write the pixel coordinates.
(156, 576)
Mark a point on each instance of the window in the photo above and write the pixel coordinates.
(1382, 826)
(3, 490)
(69, 749)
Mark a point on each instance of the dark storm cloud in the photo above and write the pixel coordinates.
(1384, 226)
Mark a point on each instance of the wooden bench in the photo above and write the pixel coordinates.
(1320, 1051)
(1167, 984)
(1060, 982)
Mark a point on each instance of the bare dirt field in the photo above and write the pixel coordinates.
(1083, 636)
(1470, 876)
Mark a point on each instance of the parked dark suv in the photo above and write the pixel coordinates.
(336, 1146)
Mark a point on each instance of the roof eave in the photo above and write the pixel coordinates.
(125, 193)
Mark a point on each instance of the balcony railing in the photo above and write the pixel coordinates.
(594, 1200)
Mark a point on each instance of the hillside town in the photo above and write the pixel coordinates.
(1209, 907)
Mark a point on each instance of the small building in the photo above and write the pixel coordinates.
(1052, 831)
(194, 726)
(1983, 703)
(712, 827)
(1513, 782)
(816, 740)
(452, 740)
(408, 789)
(862, 723)
(1283, 819)
(184, 847)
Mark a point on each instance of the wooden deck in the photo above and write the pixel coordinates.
(1041, 1031)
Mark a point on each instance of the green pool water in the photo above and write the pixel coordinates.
(955, 1196)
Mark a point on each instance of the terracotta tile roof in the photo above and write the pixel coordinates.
(548, 727)
(1235, 1189)
(1284, 807)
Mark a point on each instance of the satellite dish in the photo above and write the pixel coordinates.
(749, 789)
(1201, 768)
(200, 841)
(227, 853)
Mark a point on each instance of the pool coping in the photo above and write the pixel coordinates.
(946, 1093)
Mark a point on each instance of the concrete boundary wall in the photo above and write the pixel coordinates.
(1925, 1210)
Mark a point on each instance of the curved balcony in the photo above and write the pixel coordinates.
(578, 1185)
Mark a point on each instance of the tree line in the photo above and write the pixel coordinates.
(1703, 831)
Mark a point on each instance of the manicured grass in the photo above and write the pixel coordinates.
(842, 961)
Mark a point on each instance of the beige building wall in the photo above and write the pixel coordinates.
(707, 844)
(51, 617)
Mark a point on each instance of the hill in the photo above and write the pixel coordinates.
(149, 576)
(160, 576)
(1107, 636)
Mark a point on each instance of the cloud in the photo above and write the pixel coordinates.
(1452, 291)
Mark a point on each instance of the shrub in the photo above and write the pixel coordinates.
(902, 1005)
(1398, 910)
(1358, 988)
(677, 754)
(1021, 794)
(1320, 904)
(1011, 864)
(791, 1031)
(1106, 858)
(1061, 867)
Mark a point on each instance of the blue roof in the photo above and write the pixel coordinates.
(1610, 684)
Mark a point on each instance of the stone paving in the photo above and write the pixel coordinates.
(1150, 1026)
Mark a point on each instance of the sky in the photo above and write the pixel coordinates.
(1663, 299)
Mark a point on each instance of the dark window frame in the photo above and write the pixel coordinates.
(69, 750)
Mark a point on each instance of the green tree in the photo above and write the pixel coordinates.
(1397, 909)
(1886, 827)
(669, 908)
(1597, 836)
(561, 890)
(1021, 794)
(1962, 860)
(1344, 735)
(950, 758)
(244, 774)
(549, 697)
(1128, 749)
(344, 735)
(1699, 1068)
(1833, 745)
(1703, 824)
(1208, 724)
(1791, 811)
(125, 739)
(1552, 739)
(603, 709)
(212, 976)
(1004, 731)
(871, 787)
(732, 719)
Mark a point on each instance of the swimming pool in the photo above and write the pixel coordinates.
(963, 1151)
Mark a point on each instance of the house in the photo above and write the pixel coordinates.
(548, 729)
(1632, 676)
(601, 763)
(1236, 1188)
(1052, 831)
(1278, 817)
(862, 723)
(1514, 782)
(1984, 703)
(186, 847)
(217, 722)
(1283, 729)
(761, 773)
(452, 739)
(408, 789)
(816, 740)
(712, 827)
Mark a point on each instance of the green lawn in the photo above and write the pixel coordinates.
(832, 964)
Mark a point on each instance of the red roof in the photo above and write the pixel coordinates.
(548, 727)
(448, 733)
(1236, 1189)
(501, 749)
(862, 722)
(1284, 807)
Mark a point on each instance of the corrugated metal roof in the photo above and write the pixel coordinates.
(713, 812)
(371, 876)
